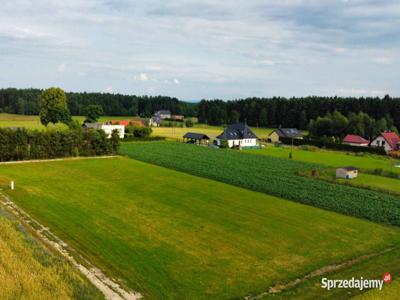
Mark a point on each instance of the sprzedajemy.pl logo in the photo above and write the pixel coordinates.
(356, 283)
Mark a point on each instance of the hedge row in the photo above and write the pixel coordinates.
(21, 144)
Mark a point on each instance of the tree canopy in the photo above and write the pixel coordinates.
(53, 107)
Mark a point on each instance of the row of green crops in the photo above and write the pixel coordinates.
(269, 175)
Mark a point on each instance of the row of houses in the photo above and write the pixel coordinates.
(388, 140)
(240, 135)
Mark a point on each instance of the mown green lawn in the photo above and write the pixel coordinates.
(171, 235)
(371, 268)
(331, 158)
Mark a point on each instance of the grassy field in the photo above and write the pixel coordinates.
(28, 271)
(331, 158)
(371, 268)
(171, 235)
(363, 180)
(269, 175)
(33, 122)
(211, 131)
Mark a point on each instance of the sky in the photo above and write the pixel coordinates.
(203, 49)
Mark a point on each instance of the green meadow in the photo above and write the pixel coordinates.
(332, 158)
(171, 235)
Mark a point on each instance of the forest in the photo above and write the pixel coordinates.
(262, 112)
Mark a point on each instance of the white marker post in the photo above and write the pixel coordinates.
(12, 185)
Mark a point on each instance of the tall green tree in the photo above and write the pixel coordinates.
(93, 112)
(53, 107)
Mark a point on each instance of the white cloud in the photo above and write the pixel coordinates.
(62, 68)
(141, 77)
(176, 81)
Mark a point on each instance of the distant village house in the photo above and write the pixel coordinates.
(238, 135)
(390, 141)
(355, 140)
(275, 135)
(135, 123)
(107, 128)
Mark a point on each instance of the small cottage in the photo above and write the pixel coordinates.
(238, 135)
(355, 140)
(347, 172)
(278, 133)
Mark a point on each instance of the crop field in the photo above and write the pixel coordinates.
(171, 235)
(28, 271)
(269, 175)
(211, 131)
(332, 158)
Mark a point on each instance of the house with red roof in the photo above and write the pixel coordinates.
(388, 140)
(355, 140)
(137, 123)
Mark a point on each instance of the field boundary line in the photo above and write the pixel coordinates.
(56, 159)
(278, 288)
(109, 287)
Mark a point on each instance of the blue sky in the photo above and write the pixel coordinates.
(203, 49)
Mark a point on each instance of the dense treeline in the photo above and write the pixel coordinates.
(263, 112)
(294, 112)
(27, 101)
(336, 125)
(22, 144)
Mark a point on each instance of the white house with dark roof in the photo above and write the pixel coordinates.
(238, 135)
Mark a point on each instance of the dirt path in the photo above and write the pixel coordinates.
(324, 270)
(108, 286)
(54, 159)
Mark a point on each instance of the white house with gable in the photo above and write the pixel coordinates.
(238, 135)
(107, 128)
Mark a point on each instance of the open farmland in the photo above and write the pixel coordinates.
(211, 131)
(168, 234)
(269, 175)
(28, 271)
(33, 122)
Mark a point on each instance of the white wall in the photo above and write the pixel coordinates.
(109, 128)
(379, 141)
(359, 145)
(242, 143)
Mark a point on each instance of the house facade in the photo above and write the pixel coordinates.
(107, 128)
(390, 141)
(355, 140)
(237, 135)
(278, 133)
